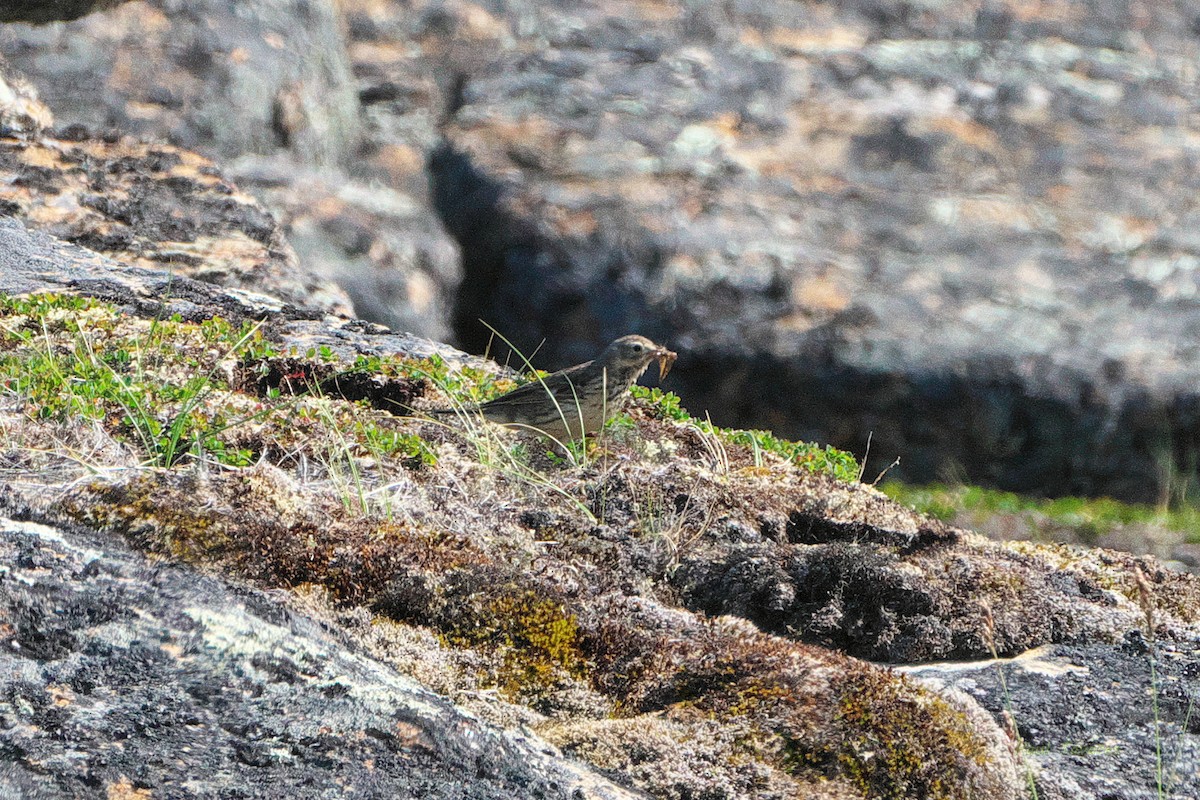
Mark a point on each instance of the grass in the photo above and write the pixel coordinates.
(675, 527)
(68, 359)
(493, 445)
(1088, 518)
(171, 391)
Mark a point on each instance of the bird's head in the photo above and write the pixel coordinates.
(630, 355)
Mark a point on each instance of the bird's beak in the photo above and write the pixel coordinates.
(665, 359)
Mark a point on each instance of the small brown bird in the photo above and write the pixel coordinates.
(580, 399)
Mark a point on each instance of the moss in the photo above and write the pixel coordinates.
(815, 458)
(758, 697)
(463, 384)
(184, 531)
(663, 405)
(898, 744)
(538, 639)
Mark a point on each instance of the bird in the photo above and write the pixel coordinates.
(572, 402)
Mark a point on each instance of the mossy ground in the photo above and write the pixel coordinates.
(584, 585)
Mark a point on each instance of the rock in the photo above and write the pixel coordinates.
(1093, 718)
(266, 87)
(25, 255)
(379, 245)
(1188, 554)
(131, 677)
(41, 11)
(221, 77)
(21, 110)
(153, 205)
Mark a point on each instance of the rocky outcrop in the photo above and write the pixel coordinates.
(236, 553)
(379, 244)
(1093, 712)
(150, 205)
(266, 87)
(125, 677)
(589, 596)
(950, 229)
(232, 78)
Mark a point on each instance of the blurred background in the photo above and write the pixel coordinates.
(967, 232)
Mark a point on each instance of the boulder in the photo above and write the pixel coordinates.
(153, 205)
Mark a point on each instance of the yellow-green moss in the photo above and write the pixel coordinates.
(538, 639)
(897, 745)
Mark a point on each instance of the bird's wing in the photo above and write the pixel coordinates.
(564, 386)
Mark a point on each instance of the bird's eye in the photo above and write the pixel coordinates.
(637, 348)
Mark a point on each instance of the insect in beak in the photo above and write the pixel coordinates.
(665, 359)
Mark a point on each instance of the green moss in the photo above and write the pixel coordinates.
(664, 405)
(813, 457)
(45, 304)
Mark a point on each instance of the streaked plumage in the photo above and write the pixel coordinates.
(580, 399)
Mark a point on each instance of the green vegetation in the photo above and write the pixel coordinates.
(68, 360)
(813, 457)
(464, 383)
(394, 443)
(664, 405)
(171, 389)
(1088, 518)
